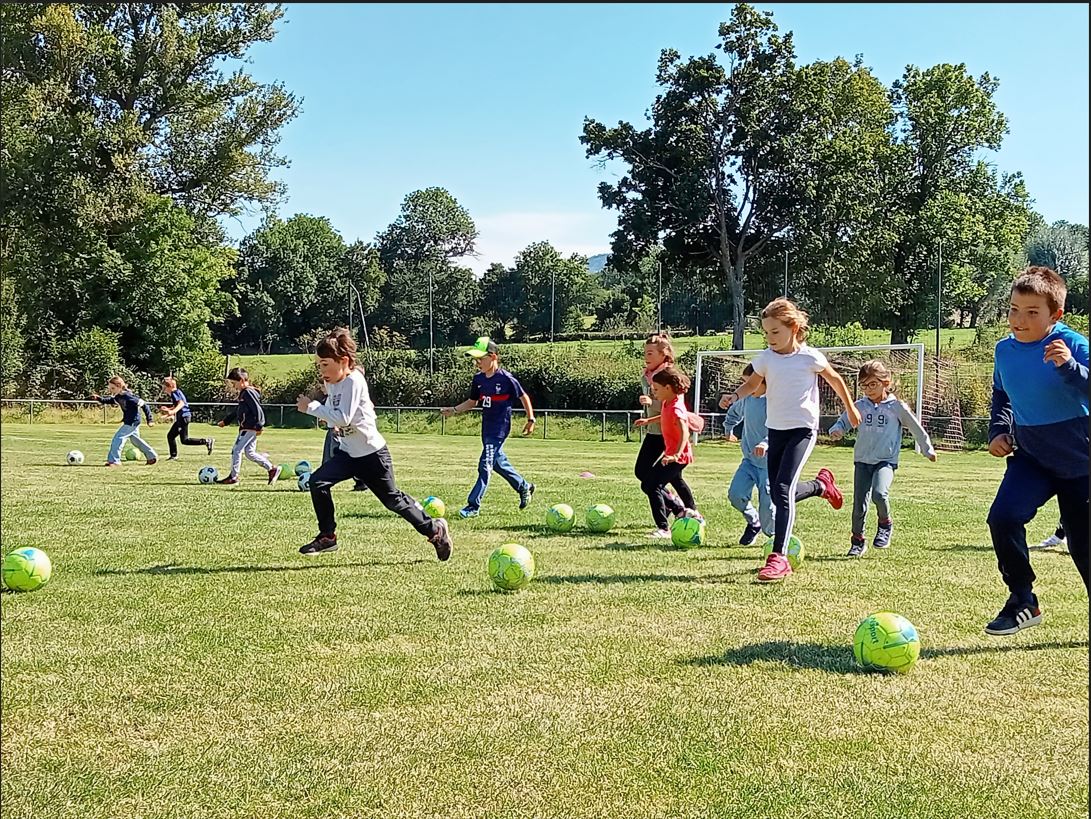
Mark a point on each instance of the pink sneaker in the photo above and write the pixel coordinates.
(829, 489)
(776, 568)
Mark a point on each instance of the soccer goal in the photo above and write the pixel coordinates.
(720, 371)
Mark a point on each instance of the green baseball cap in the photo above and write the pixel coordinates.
(483, 347)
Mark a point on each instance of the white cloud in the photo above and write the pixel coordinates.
(503, 235)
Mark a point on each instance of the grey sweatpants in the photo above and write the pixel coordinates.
(246, 444)
(870, 481)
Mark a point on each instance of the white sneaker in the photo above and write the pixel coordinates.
(659, 534)
(693, 513)
(1050, 542)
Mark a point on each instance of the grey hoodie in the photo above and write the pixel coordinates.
(879, 436)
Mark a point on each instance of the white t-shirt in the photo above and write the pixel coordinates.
(792, 386)
(348, 406)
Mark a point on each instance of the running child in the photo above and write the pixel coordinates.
(251, 418)
(361, 453)
(875, 453)
(180, 413)
(658, 355)
(495, 389)
(1040, 402)
(753, 471)
(131, 408)
(790, 369)
(669, 386)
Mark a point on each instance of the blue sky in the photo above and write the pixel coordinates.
(488, 101)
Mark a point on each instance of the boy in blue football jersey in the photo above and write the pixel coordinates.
(1039, 423)
(496, 390)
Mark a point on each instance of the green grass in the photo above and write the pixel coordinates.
(279, 366)
(185, 661)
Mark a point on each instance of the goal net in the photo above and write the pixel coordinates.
(927, 393)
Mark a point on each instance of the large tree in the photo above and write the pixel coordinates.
(1063, 246)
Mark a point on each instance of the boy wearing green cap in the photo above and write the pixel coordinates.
(496, 390)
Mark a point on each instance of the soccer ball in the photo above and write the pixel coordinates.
(285, 469)
(26, 569)
(688, 532)
(886, 641)
(75, 458)
(434, 507)
(303, 466)
(560, 518)
(130, 453)
(208, 474)
(304, 482)
(511, 567)
(600, 518)
(795, 551)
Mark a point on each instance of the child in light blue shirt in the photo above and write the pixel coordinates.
(883, 417)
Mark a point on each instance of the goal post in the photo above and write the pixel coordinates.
(720, 371)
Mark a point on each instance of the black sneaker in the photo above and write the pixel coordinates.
(173, 458)
(857, 548)
(320, 545)
(882, 535)
(441, 539)
(211, 442)
(525, 495)
(748, 535)
(1015, 616)
(359, 486)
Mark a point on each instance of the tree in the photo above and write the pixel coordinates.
(556, 292)
(11, 339)
(1063, 247)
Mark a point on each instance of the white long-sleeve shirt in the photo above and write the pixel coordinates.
(348, 406)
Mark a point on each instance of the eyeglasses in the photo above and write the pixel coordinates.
(867, 385)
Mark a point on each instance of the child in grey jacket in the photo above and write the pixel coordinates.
(875, 454)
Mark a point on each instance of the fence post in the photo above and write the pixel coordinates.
(603, 436)
(282, 416)
(32, 411)
(442, 424)
(104, 413)
(397, 419)
(628, 426)
(545, 425)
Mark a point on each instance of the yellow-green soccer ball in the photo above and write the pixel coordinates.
(560, 518)
(26, 569)
(129, 454)
(511, 567)
(795, 551)
(600, 518)
(303, 466)
(434, 507)
(285, 471)
(886, 641)
(688, 532)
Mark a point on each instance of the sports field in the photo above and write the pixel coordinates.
(186, 661)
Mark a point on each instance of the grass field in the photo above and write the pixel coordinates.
(185, 661)
(287, 364)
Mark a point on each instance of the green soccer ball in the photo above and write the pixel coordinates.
(285, 470)
(303, 466)
(560, 518)
(600, 518)
(129, 454)
(886, 641)
(511, 567)
(26, 569)
(434, 507)
(795, 551)
(688, 532)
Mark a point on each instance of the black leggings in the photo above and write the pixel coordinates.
(655, 487)
(650, 450)
(180, 428)
(788, 452)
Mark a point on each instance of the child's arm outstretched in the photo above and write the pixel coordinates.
(147, 410)
(458, 409)
(683, 439)
(528, 427)
(834, 379)
(643, 422)
(908, 419)
(840, 427)
(747, 388)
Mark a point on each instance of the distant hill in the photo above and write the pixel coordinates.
(596, 263)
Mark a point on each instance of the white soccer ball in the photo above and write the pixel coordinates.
(208, 474)
(304, 482)
(75, 458)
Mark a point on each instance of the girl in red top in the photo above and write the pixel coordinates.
(669, 385)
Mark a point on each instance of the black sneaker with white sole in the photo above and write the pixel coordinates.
(857, 547)
(525, 495)
(1015, 616)
(441, 539)
(748, 535)
(320, 545)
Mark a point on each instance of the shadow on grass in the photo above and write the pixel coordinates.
(839, 659)
(613, 579)
(963, 547)
(169, 569)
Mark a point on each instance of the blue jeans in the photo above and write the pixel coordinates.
(128, 432)
(493, 457)
(748, 477)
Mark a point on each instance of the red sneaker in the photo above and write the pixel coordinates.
(776, 568)
(274, 473)
(829, 489)
(229, 480)
(152, 462)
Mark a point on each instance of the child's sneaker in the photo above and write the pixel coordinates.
(1015, 616)
(525, 495)
(1050, 542)
(152, 462)
(659, 534)
(274, 473)
(211, 442)
(442, 539)
(882, 534)
(776, 568)
(829, 488)
(468, 512)
(320, 545)
(173, 458)
(749, 534)
(229, 480)
(858, 547)
(112, 463)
